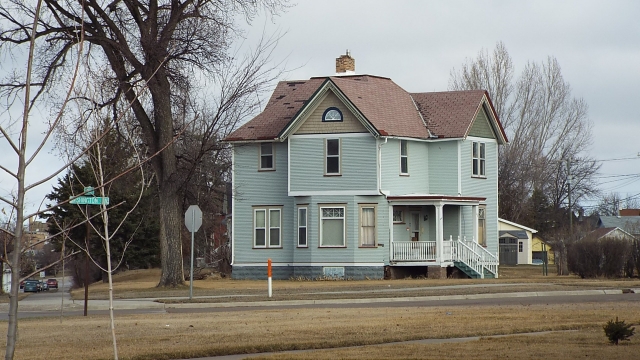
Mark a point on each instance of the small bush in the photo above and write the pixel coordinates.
(618, 330)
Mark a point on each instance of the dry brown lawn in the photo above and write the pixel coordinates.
(171, 336)
(142, 284)
(582, 344)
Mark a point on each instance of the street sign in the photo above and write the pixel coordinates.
(88, 191)
(87, 200)
(193, 221)
(193, 218)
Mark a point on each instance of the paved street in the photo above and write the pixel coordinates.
(48, 304)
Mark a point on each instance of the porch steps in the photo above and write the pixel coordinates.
(471, 272)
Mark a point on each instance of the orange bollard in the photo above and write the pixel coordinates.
(269, 276)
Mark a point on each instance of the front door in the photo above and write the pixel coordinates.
(415, 226)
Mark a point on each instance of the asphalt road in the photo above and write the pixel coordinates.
(492, 301)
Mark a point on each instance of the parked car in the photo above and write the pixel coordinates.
(22, 284)
(52, 283)
(45, 286)
(39, 285)
(537, 262)
(32, 286)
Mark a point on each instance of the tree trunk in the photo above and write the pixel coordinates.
(170, 244)
(166, 170)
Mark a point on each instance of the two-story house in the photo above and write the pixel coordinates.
(351, 176)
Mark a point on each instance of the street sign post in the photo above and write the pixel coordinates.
(193, 221)
(87, 200)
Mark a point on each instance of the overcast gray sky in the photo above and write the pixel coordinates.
(417, 43)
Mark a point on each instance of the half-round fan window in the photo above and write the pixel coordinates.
(332, 114)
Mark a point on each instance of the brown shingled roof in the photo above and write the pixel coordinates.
(285, 102)
(448, 114)
(388, 107)
(385, 104)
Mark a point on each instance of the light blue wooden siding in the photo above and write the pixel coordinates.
(251, 188)
(481, 126)
(352, 253)
(418, 179)
(483, 187)
(443, 167)
(359, 164)
(450, 222)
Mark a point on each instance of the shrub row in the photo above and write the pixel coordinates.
(609, 257)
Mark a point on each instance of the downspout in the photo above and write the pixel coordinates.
(380, 165)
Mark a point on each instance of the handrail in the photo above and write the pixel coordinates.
(466, 255)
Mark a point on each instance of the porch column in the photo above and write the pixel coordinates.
(474, 221)
(391, 233)
(439, 232)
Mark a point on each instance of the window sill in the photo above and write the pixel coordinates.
(402, 174)
(398, 222)
(266, 247)
(368, 246)
(330, 175)
(478, 177)
(261, 170)
(333, 247)
(302, 246)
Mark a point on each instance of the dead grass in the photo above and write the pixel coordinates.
(142, 284)
(585, 344)
(4, 298)
(170, 336)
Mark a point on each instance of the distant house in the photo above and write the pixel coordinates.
(630, 224)
(352, 176)
(516, 243)
(539, 247)
(609, 232)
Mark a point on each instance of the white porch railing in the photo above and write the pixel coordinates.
(466, 251)
(414, 251)
(486, 259)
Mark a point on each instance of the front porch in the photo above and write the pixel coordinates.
(419, 225)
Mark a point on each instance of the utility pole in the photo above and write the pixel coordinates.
(569, 197)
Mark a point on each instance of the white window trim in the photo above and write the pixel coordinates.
(273, 157)
(406, 156)
(482, 161)
(267, 227)
(344, 226)
(339, 156)
(375, 225)
(306, 226)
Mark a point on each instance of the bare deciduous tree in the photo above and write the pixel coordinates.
(548, 129)
(160, 46)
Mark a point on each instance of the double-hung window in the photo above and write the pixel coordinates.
(267, 228)
(404, 158)
(367, 225)
(266, 156)
(482, 225)
(302, 227)
(332, 229)
(478, 162)
(332, 157)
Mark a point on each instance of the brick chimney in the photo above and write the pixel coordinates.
(629, 212)
(345, 64)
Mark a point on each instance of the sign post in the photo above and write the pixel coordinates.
(193, 221)
(88, 199)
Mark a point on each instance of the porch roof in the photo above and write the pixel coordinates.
(435, 198)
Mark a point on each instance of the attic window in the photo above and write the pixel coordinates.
(332, 114)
